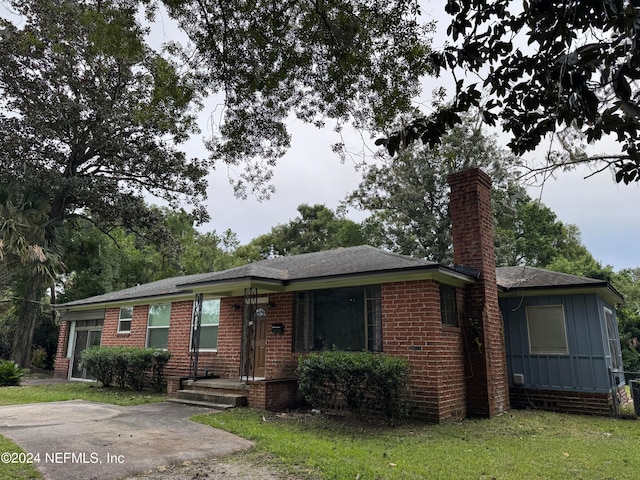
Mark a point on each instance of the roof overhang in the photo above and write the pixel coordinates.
(127, 302)
(437, 273)
(603, 290)
(236, 287)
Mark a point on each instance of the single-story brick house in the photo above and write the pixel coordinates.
(541, 338)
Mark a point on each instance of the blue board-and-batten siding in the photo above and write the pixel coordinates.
(585, 368)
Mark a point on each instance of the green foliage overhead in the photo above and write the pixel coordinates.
(543, 66)
(357, 61)
(91, 116)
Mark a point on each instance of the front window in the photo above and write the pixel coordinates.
(339, 319)
(547, 330)
(209, 322)
(124, 321)
(158, 325)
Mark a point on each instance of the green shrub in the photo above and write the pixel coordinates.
(160, 360)
(99, 363)
(126, 366)
(10, 373)
(363, 383)
(139, 363)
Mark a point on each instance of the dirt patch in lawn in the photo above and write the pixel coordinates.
(244, 466)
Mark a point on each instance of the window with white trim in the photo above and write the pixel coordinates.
(209, 322)
(547, 330)
(158, 325)
(614, 343)
(124, 320)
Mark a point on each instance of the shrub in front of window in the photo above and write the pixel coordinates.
(361, 382)
(126, 366)
(10, 373)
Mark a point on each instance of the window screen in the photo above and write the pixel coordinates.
(547, 330)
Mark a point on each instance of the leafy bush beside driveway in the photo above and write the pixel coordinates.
(126, 365)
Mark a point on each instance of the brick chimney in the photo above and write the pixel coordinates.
(487, 388)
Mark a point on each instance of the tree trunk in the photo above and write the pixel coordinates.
(27, 319)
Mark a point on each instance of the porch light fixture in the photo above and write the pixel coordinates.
(236, 306)
(271, 305)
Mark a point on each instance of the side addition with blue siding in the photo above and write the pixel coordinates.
(586, 367)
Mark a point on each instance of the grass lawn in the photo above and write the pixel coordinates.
(54, 393)
(518, 445)
(76, 391)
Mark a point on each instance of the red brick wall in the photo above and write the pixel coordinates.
(581, 403)
(138, 334)
(61, 363)
(179, 338)
(281, 362)
(413, 329)
(274, 395)
(472, 230)
(226, 361)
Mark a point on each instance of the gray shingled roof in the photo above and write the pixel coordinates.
(335, 263)
(531, 278)
(165, 286)
(328, 263)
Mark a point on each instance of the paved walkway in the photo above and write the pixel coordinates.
(76, 439)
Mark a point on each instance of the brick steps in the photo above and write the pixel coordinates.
(218, 394)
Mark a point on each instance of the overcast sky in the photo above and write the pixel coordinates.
(606, 213)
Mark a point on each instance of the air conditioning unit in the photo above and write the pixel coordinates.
(518, 379)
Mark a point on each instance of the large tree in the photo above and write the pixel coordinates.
(546, 68)
(542, 69)
(90, 118)
(408, 194)
(97, 263)
(357, 61)
(316, 228)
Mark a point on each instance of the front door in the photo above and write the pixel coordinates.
(261, 341)
(83, 339)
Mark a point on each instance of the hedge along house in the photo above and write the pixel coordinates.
(250, 324)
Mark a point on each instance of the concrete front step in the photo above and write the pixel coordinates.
(217, 398)
(215, 406)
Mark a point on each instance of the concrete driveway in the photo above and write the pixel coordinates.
(84, 440)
